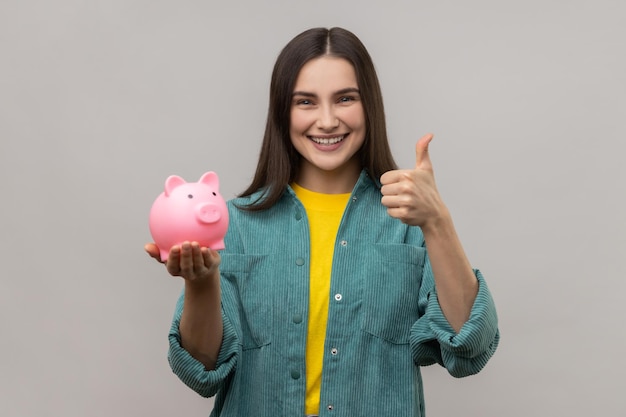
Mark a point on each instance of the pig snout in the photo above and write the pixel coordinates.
(208, 213)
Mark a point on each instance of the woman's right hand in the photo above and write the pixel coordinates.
(197, 265)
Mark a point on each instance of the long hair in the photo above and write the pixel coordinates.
(278, 160)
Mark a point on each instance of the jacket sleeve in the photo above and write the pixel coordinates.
(192, 372)
(187, 368)
(433, 340)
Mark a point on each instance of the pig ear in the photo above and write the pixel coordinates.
(172, 182)
(210, 178)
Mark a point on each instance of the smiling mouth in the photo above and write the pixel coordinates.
(327, 141)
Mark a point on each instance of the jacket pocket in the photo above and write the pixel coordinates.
(391, 291)
(251, 287)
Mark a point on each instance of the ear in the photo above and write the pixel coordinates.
(210, 178)
(172, 182)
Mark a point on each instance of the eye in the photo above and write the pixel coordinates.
(190, 196)
(346, 99)
(214, 193)
(303, 102)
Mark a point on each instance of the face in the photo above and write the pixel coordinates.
(327, 124)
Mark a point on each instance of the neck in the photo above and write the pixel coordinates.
(338, 181)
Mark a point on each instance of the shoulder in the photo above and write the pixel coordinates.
(239, 206)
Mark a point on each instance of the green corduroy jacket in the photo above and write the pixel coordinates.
(384, 320)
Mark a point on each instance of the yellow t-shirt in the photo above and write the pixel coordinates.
(324, 212)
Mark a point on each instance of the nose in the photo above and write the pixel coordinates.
(327, 119)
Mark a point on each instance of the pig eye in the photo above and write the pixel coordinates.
(190, 196)
(214, 193)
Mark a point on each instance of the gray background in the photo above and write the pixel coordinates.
(101, 100)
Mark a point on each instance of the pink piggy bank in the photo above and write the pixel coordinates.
(193, 211)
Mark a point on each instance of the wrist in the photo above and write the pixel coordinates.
(209, 283)
(439, 223)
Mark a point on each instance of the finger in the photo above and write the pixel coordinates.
(206, 257)
(384, 179)
(391, 188)
(395, 212)
(397, 200)
(402, 214)
(389, 201)
(388, 177)
(173, 261)
(198, 258)
(153, 251)
(186, 259)
(422, 159)
(394, 176)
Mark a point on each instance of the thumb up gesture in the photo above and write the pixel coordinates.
(411, 195)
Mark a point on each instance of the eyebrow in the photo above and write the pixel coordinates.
(339, 92)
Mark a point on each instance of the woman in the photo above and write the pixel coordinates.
(342, 275)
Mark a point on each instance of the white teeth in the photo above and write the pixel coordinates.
(327, 141)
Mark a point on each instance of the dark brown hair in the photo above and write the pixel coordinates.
(279, 161)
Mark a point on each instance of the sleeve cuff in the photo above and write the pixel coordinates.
(192, 372)
(462, 353)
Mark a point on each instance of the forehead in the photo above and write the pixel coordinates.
(326, 73)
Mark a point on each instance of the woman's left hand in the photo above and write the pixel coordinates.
(411, 195)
